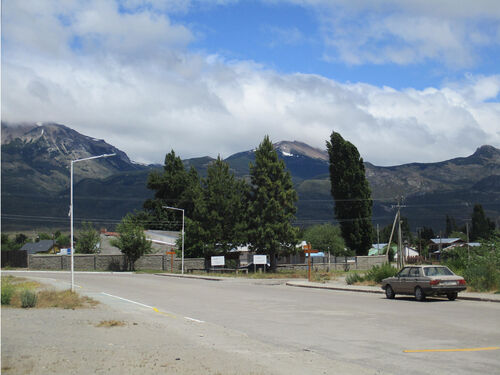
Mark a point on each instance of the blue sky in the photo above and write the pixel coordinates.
(403, 80)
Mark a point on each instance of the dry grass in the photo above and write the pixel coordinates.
(45, 298)
(111, 323)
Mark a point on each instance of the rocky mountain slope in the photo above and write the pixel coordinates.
(35, 180)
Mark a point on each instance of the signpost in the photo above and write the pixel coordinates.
(308, 251)
(217, 261)
(259, 259)
(171, 253)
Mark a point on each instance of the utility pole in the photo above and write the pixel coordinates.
(378, 240)
(398, 219)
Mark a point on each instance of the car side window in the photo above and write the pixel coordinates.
(415, 272)
(405, 272)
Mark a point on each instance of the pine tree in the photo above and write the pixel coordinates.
(351, 192)
(217, 224)
(272, 204)
(482, 227)
(169, 187)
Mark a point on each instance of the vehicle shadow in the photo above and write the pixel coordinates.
(427, 299)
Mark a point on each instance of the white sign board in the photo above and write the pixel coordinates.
(260, 259)
(217, 261)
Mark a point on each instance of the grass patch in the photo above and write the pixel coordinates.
(373, 276)
(21, 292)
(111, 323)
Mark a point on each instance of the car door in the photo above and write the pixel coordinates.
(412, 280)
(399, 284)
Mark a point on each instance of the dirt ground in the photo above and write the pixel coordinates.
(58, 341)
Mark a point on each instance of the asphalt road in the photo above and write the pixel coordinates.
(364, 330)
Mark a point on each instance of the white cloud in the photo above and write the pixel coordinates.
(407, 32)
(148, 102)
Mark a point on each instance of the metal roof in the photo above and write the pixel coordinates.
(38, 247)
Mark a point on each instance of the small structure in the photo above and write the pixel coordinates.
(438, 244)
(43, 246)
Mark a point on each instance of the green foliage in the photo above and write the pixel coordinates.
(63, 240)
(44, 236)
(378, 273)
(8, 244)
(28, 298)
(457, 234)
(7, 292)
(327, 238)
(132, 241)
(172, 188)
(351, 192)
(88, 239)
(480, 266)
(272, 204)
(218, 221)
(21, 239)
(353, 278)
(375, 274)
(482, 226)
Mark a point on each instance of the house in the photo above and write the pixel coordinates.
(438, 244)
(43, 246)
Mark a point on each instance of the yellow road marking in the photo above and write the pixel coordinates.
(452, 350)
(163, 313)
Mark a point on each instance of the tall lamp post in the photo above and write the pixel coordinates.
(182, 259)
(71, 214)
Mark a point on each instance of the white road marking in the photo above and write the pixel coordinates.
(194, 320)
(128, 300)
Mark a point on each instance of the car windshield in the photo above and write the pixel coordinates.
(437, 271)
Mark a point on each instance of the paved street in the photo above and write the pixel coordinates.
(363, 330)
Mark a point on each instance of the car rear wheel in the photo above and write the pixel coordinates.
(452, 296)
(389, 292)
(419, 294)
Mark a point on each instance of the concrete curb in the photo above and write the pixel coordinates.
(364, 290)
(210, 278)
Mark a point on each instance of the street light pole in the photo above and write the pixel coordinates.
(71, 214)
(182, 254)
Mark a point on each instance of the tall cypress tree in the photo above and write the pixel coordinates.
(351, 192)
(272, 204)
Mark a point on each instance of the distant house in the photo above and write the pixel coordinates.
(438, 244)
(43, 246)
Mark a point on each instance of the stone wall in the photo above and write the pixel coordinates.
(95, 262)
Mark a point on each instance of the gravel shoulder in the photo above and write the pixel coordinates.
(57, 341)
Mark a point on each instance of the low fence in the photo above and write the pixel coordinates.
(96, 262)
(340, 264)
(15, 258)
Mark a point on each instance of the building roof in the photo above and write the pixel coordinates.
(38, 247)
(445, 241)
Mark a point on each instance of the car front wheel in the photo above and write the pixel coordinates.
(389, 292)
(452, 296)
(419, 294)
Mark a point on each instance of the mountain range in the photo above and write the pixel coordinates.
(35, 181)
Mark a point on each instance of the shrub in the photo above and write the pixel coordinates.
(480, 266)
(7, 292)
(378, 273)
(28, 298)
(353, 278)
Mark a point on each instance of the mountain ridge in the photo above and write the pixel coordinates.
(36, 158)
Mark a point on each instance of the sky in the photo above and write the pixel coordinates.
(403, 80)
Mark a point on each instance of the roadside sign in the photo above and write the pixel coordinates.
(170, 252)
(260, 259)
(217, 261)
